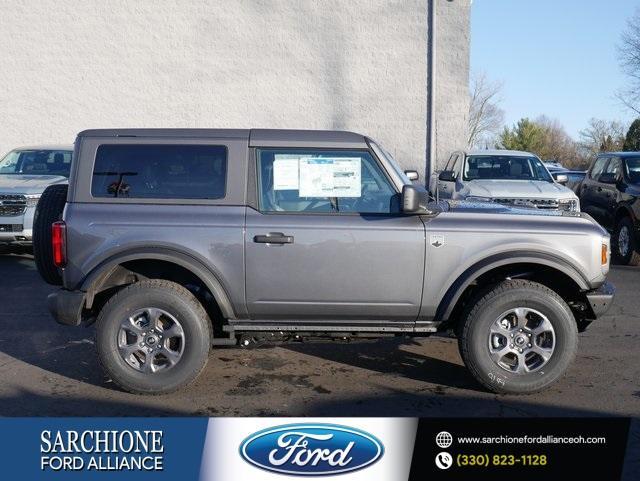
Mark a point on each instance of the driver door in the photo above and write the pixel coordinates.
(328, 240)
(591, 190)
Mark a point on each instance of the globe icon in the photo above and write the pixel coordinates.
(444, 439)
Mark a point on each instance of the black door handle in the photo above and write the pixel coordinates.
(273, 238)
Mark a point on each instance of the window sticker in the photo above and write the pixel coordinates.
(285, 173)
(330, 177)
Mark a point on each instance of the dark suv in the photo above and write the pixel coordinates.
(611, 193)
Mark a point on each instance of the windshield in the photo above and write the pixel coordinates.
(505, 167)
(37, 162)
(633, 169)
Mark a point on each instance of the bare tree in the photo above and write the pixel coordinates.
(545, 137)
(602, 136)
(557, 144)
(486, 117)
(629, 57)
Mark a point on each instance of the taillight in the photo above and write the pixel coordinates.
(59, 243)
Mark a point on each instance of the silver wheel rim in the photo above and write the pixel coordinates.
(623, 241)
(151, 340)
(521, 340)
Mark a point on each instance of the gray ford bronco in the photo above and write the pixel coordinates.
(176, 241)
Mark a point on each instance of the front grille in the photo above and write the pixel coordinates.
(12, 204)
(531, 203)
(11, 227)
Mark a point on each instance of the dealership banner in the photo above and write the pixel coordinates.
(229, 449)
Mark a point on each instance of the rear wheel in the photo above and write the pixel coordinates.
(624, 243)
(153, 337)
(518, 338)
(48, 211)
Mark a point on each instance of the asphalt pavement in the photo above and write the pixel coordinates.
(52, 370)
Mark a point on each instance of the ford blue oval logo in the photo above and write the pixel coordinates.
(311, 449)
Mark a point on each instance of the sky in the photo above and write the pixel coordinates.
(556, 58)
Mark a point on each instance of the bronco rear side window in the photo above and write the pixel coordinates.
(160, 171)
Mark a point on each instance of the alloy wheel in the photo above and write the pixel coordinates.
(521, 340)
(151, 340)
(624, 241)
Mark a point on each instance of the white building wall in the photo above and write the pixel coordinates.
(452, 77)
(359, 65)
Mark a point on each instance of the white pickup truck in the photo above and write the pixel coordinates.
(24, 175)
(508, 177)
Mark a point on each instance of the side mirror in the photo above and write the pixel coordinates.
(447, 176)
(414, 200)
(562, 178)
(412, 175)
(608, 178)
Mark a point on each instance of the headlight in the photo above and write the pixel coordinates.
(475, 198)
(32, 199)
(570, 205)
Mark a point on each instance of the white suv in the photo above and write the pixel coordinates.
(505, 176)
(24, 174)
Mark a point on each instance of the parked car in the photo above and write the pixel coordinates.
(610, 193)
(569, 178)
(174, 241)
(553, 164)
(505, 176)
(24, 174)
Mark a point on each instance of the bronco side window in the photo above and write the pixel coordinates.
(160, 171)
(323, 181)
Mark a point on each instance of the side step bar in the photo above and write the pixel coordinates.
(241, 325)
(224, 341)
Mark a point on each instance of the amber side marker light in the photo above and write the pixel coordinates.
(604, 255)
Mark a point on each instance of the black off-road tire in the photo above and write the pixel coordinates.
(48, 211)
(485, 310)
(180, 303)
(632, 257)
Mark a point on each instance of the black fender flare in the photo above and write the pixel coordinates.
(104, 269)
(457, 288)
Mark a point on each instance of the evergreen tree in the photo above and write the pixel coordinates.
(525, 135)
(632, 140)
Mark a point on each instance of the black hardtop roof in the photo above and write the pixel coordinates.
(256, 137)
(621, 154)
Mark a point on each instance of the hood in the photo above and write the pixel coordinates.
(516, 189)
(493, 208)
(28, 184)
(490, 212)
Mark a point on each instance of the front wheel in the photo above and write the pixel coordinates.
(624, 244)
(518, 338)
(153, 337)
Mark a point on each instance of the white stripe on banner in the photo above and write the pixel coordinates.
(272, 449)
